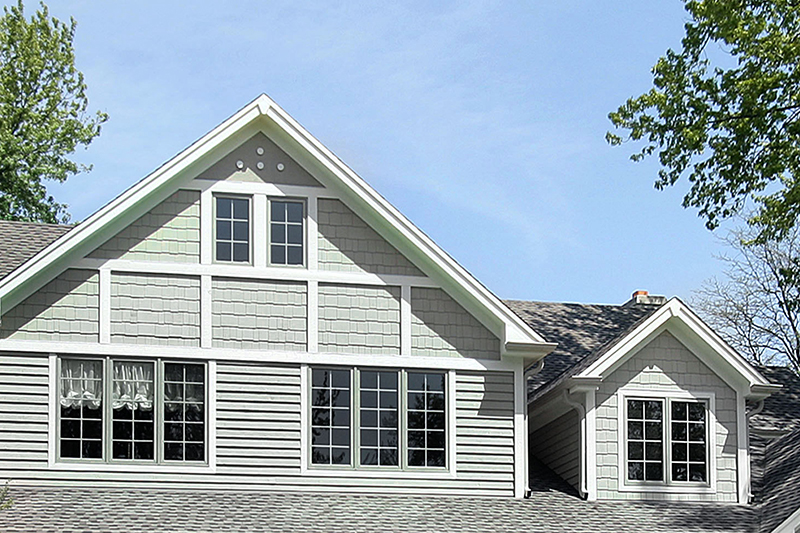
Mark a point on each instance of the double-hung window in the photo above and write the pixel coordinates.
(232, 229)
(368, 418)
(666, 441)
(131, 410)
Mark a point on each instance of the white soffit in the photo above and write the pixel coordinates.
(519, 338)
(676, 317)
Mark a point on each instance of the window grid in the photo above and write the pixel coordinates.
(645, 440)
(378, 404)
(81, 424)
(688, 441)
(184, 412)
(330, 417)
(426, 419)
(232, 236)
(286, 232)
(133, 424)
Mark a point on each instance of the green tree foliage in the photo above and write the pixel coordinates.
(725, 112)
(43, 114)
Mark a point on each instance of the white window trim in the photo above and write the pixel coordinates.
(96, 466)
(676, 487)
(307, 469)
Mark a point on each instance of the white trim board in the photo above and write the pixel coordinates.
(264, 114)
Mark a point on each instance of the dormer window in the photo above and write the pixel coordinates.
(666, 441)
(232, 235)
(286, 232)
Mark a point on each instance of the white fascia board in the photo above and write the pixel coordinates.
(790, 525)
(516, 332)
(676, 317)
(139, 192)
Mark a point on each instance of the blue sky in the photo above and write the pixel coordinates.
(482, 121)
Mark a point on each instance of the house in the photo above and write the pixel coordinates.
(252, 338)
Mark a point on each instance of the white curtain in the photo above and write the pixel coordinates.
(132, 386)
(81, 383)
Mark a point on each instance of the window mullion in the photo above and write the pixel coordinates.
(158, 409)
(402, 424)
(355, 418)
(667, 434)
(108, 426)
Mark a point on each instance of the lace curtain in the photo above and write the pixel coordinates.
(81, 383)
(132, 386)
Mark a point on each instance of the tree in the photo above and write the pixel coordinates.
(43, 114)
(6, 501)
(725, 110)
(755, 307)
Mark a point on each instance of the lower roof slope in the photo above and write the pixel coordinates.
(781, 408)
(780, 492)
(19, 241)
(551, 509)
(583, 333)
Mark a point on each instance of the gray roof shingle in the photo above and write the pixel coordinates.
(780, 487)
(548, 510)
(583, 333)
(782, 408)
(19, 241)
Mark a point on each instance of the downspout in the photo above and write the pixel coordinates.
(756, 410)
(528, 375)
(582, 474)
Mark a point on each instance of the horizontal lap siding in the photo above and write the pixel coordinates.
(155, 309)
(485, 428)
(65, 309)
(258, 436)
(169, 232)
(557, 445)
(440, 327)
(259, 315)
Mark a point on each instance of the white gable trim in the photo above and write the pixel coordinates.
(517, 338)
(701, 340)
(790, 525)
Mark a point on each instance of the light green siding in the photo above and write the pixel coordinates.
(65, 309)
(665, 365)
(155, 309)
(347, 243)
(441, 327)
(169, 232)
(485, 427)
(259, 168)
(557, 445)
(259, 315)
(258, 421)
(359, 320)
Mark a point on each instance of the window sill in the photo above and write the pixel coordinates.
(164, 468)
(671, 489)
(387, 473)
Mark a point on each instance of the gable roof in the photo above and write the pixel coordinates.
(582, 333)
(19, 241)
(780, 493)
(517, 337)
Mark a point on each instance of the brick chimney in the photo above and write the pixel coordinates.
(643, 297)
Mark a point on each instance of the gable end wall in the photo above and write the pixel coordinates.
(665, 365)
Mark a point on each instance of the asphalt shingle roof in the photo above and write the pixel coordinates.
(782, 408)
(19, 241)
(780, 489)
(552, 508)
(583, 333)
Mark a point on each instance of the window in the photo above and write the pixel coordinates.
(685, 459)
(126, 427)
(330, 417)
(286, 233)
(400, 421)
(232, 229)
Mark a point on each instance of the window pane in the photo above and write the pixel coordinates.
(241, 209)
(278, 234)
(224, 230)
(241, 252)
(184, 408)
(294, 234)
(132, 408)
(645, 432)
(689, 454)
(294, 255)
(330, 416)
(81, 409)
(278, 212)
(241, 232)
(380, 386)
(224, 209)
(294, 212)
(426, 419)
